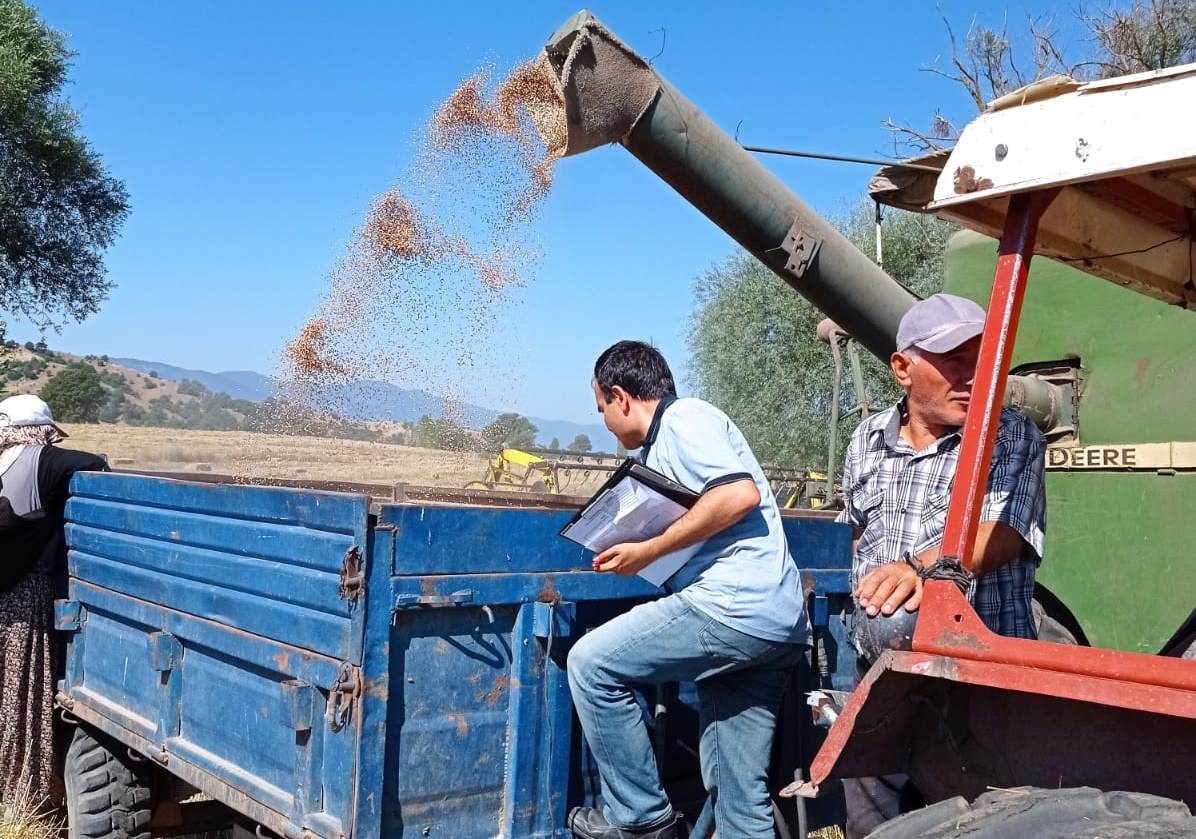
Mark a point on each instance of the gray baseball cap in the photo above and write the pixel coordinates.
(940, 323)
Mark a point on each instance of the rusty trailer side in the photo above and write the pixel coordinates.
(345, 664)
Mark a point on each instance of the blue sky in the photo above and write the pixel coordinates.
(252, 136)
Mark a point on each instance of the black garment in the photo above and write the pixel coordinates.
(35, 540)
(32, 574)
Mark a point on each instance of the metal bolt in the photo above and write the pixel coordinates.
(1001, 151)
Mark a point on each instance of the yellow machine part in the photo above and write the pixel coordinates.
(518, 458)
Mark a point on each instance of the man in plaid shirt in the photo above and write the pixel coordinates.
(896, 485)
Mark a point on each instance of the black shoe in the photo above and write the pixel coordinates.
(589, 823)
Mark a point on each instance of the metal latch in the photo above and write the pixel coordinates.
(352, 575)
(68, 615)
(344, 692)
(301, 698)
(165, 651)
(415, 601)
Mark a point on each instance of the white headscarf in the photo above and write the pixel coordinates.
(14, 439)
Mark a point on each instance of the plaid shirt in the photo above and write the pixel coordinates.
(896, 499)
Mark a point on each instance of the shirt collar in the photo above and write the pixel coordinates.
(654, 428)
(891, 430)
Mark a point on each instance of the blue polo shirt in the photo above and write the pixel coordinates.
(743, 576)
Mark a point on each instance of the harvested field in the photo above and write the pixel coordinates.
(248, 455)
(273, 455)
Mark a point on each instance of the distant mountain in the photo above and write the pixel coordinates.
(239, 384)
(372, 401)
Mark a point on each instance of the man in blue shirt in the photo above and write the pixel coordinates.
(732, 620)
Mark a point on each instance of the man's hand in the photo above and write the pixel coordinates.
(626, 558)
(886, 588)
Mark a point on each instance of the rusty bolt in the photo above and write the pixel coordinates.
(1001, 151)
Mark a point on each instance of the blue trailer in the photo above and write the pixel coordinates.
(361, 663)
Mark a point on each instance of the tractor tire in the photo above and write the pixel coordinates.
(1077, 813)
(108, 795)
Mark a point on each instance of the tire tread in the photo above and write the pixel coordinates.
(108, 795)
(1070, 813)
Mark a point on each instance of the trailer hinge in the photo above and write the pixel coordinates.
(802, 247)
(68, 615)
(342, 696)
(352, 575)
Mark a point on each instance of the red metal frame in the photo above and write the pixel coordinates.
(992, 370)
(950, 643)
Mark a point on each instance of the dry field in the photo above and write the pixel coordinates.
(245, 454)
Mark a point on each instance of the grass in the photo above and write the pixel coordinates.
(27, 818)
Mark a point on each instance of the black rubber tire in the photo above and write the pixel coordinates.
(1077, 813)
(108, 795)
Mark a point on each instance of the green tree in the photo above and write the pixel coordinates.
(555, 445)
(113, 407)
(59, 209)
(190, 387)
(581, 444)
(441, 434)
(755, 353)
(509, 431)
(75, 394)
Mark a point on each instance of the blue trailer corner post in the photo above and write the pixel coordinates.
(331, 670)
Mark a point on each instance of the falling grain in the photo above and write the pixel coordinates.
(392, 229)
(531, 90)
(463, 111)
(307, 352)
(420, 294)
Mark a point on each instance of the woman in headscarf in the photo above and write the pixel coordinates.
(35, 477)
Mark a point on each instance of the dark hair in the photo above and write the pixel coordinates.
(636, 367)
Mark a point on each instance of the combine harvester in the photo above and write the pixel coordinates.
(387, 661)
(1100, 175)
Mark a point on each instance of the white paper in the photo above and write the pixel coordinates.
(632, 512)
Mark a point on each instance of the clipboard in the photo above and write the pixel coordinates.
(632, 468)
(635, 503)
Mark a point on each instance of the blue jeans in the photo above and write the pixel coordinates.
(740, 680)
